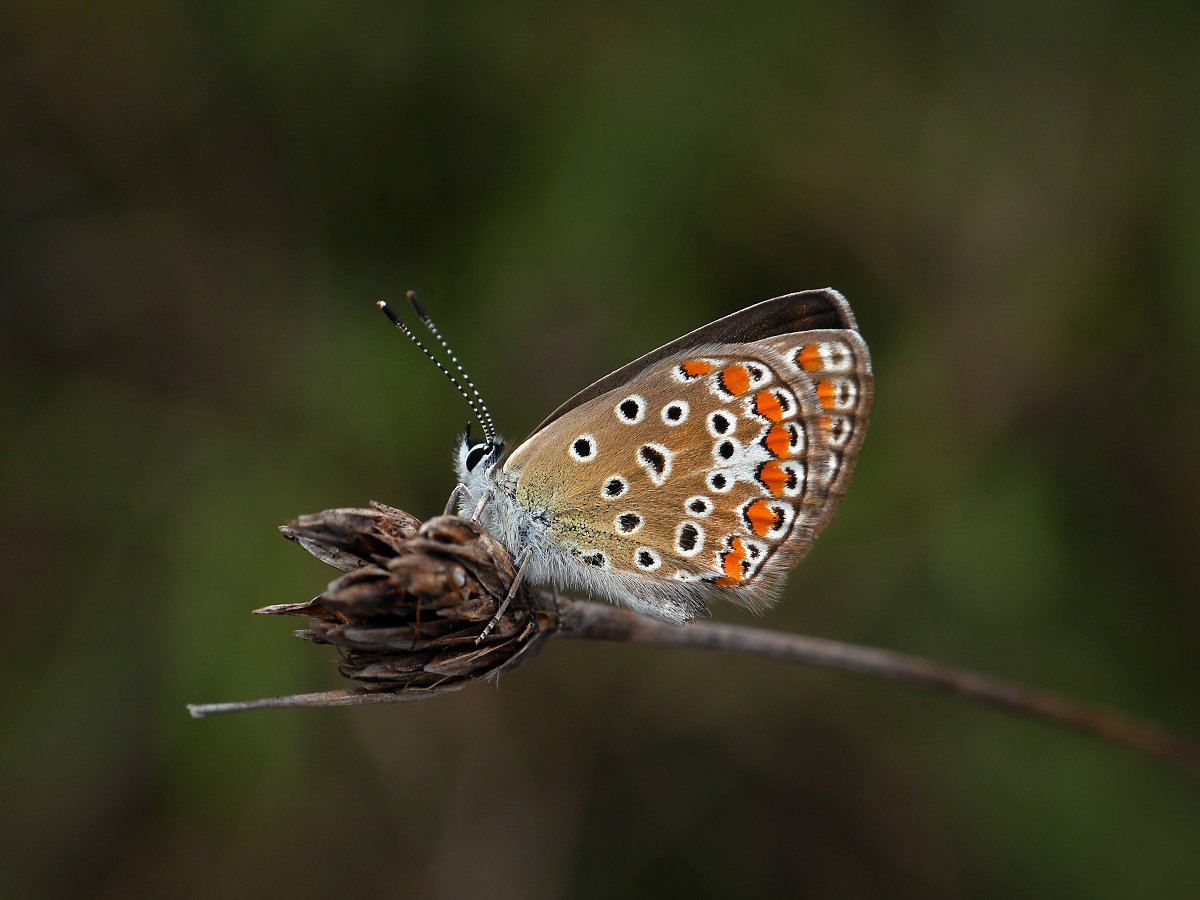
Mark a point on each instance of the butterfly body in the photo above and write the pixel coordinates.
(704, 469)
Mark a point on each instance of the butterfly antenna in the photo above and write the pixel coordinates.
(427, 320)
(485, 424)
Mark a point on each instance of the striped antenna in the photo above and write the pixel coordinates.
(485, 423)
(433, 329)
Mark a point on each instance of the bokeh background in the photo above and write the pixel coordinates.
(199, 204)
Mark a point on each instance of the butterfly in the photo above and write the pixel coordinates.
(704, 469)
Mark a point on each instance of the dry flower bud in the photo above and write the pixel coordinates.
(414, 599)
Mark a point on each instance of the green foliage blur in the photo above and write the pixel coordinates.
(199, 205)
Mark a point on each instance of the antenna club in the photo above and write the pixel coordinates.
(416, 305)
(392, 317)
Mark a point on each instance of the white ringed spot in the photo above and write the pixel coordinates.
(646, 559)
(720, 482)
(689, 538)
(631, 410)
(725, 450)
(628, 522)
(614, 486)
(721, 423)
(675, 413)
(583, 448)
(656, 460)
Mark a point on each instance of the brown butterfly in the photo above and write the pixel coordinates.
(704, 469)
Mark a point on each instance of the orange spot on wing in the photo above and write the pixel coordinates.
(766, 404)
(809, 358)
(694, 368)
(725, 581)
(731, 561)
(778, 440)
(761, 517)
(773, 477)
(735, 379)
(826, 392)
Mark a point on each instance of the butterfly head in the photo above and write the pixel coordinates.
(474, 457)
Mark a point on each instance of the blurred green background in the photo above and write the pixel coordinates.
(199, 204)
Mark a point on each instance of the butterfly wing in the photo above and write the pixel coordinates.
(709, 469)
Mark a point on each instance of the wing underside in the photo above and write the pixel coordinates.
(715, 466)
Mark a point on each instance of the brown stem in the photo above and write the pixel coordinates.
(593, 621)
(323, 698)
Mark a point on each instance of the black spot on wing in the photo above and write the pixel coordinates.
(688, 535)
(628, 522)
(653, 458)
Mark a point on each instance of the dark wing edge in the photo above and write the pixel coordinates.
(823, 308)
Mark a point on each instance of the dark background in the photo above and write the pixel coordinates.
(199, 204)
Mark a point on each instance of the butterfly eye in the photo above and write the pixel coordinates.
(476, 455)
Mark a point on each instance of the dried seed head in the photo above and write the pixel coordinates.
(414, 599)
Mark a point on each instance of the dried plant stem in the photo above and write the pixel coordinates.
(594, 622)
(321, 698)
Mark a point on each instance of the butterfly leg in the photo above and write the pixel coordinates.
(453, 501)
(526, 555)
(483, 502)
